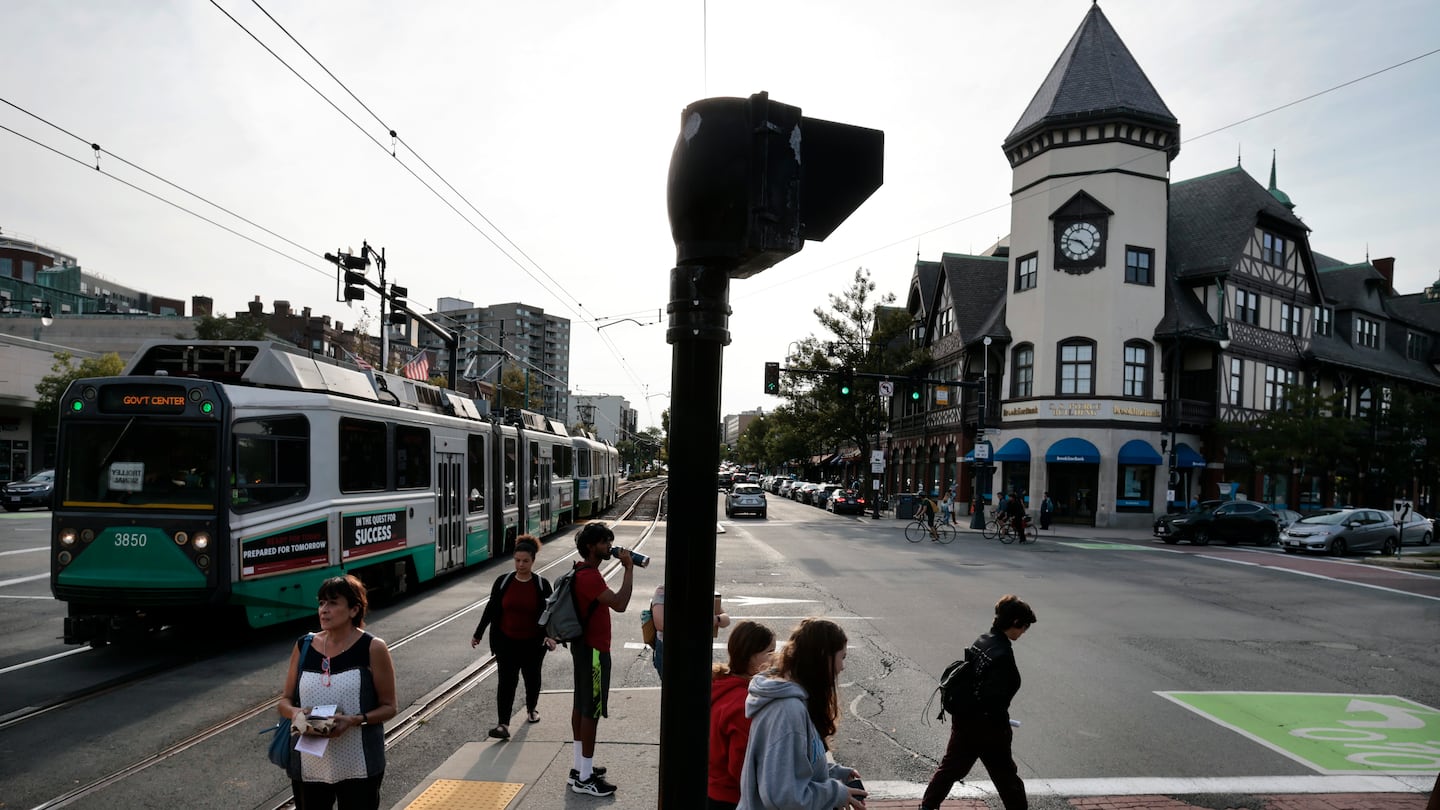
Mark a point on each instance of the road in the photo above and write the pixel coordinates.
(1142, 666)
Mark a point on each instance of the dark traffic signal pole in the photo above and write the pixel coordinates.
(745, 191)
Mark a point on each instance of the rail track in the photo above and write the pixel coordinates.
(410, 718)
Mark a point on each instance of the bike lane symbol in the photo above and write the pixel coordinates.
(1331, 733)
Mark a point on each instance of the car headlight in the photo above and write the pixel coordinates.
(1179, 522)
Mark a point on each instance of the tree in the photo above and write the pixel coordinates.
(244, 326)
(513, 391)
(65, 371)
(750, 447)
(1311, 434)
(864, 335)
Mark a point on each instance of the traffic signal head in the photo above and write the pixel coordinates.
(751, 179)
(916, 392)
(354, 286)
(772, 379)
(845, 383)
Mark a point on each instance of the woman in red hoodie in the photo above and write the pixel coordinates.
(750, 646)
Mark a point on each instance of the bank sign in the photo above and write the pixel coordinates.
(1097, 409)
(1333, 734)
(371, 533)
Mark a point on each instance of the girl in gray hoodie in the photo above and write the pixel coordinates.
(792, 709)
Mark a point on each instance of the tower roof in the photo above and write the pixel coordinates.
(1094, 76)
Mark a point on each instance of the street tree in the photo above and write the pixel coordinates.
(518, 391)
(244, 326)
(1310, 434)
(64, 371)
(861, 334)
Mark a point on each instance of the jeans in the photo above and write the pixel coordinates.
(988, 740)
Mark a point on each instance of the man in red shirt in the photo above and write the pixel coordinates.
(591, 652)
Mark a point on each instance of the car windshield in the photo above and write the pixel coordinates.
(1328, 519)
(41, 477)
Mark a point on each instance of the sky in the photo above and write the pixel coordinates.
(556, 119)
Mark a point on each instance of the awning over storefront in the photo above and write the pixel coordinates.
(1014, 450)
(1186, 458)
(1072, 451)
(970, 456)
(1139, 451)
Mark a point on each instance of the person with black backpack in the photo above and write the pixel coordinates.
(978, 700)
(591, 652)
(516, 639)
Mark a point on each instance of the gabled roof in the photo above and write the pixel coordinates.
(1095, 75)
(1415, 310)
(1336, 350)
(977, 286)
(1212, 217)
(1350, 288)
(923, 286)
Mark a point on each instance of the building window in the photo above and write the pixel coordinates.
(1367, 333)
(1274, 250)
(1247, 307)
(1324, 321)
(1417, 345)
(1137, 369)
(1077, 367)
(1139, 266)
(1027, 273)
(1133, 485)
(1024, 377)
(1237, 381)
(1291, 319)
(944, 322)
(1277, 379)
(1364, 402)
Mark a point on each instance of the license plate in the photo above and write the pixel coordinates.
(14, 498)
(1162, 530)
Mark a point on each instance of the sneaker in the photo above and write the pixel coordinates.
(598, 770)
(595, 786)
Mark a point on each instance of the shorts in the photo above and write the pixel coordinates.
(592, 680)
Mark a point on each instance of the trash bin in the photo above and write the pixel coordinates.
(905, 506)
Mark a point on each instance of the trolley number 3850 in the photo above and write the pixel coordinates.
(130, 539)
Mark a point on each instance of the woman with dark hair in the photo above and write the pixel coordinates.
(983, 731)
(750, 647)
(792, 709)
(518, 641)
(350, 670)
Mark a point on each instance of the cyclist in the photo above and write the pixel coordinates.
(928, 508)
(1015, 512)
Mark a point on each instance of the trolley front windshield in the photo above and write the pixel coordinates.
(141, 464)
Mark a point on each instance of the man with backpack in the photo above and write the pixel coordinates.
(977, 698)
(591, 651)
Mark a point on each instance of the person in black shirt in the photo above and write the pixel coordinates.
(983, 731)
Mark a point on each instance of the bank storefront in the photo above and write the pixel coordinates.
(1099, 459)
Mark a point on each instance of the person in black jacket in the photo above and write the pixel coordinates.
(518, 641)
(982, 731)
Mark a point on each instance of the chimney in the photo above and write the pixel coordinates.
(201, 306)
(1386, 268)
(305, 313)
(282, 308)
(257, 308)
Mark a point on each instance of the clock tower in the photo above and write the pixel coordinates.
(1090, 160)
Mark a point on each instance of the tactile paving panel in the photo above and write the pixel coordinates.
(457, 794)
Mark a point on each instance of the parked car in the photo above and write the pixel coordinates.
(822, 495)
(724, 481)
(783, 489)
(745, 499)
(1287, 516)
(1165, 524)
(1340, 531)
(1230, 522)
(846, 500)
(33, 491)
(798, 492)
(1418, 530)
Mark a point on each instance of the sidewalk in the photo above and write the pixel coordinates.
(529, 772)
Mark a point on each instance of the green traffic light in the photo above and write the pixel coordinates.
(845, 390)
(915, 395)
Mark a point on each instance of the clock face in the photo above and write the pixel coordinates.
(1079, 241)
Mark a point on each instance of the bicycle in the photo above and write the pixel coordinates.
(919, 529)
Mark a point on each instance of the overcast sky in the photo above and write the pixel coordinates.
(556, 119)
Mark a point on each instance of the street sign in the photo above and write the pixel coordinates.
(877, 466)
(877, 456)
(982, 452)
(887, 388)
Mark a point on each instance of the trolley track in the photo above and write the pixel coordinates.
(410, 719)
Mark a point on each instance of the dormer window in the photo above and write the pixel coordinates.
(1273, 249)
(1367, 332)
(1417, 345)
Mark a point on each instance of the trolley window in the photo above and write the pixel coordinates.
(412, 457)
(510, 472)
(362, 455)
(139, 463)
(534, 492)
(582, 456)
(476, 461)
(272, 462)
(562, 461)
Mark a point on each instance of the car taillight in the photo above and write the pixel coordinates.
(859, 500)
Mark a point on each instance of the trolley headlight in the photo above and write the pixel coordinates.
(202, 541)
(64, 558)
(86, 535)
(181, 538)
(67, 537)
(203, 560)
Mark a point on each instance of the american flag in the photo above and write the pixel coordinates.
(356, 359)
(419, 367)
